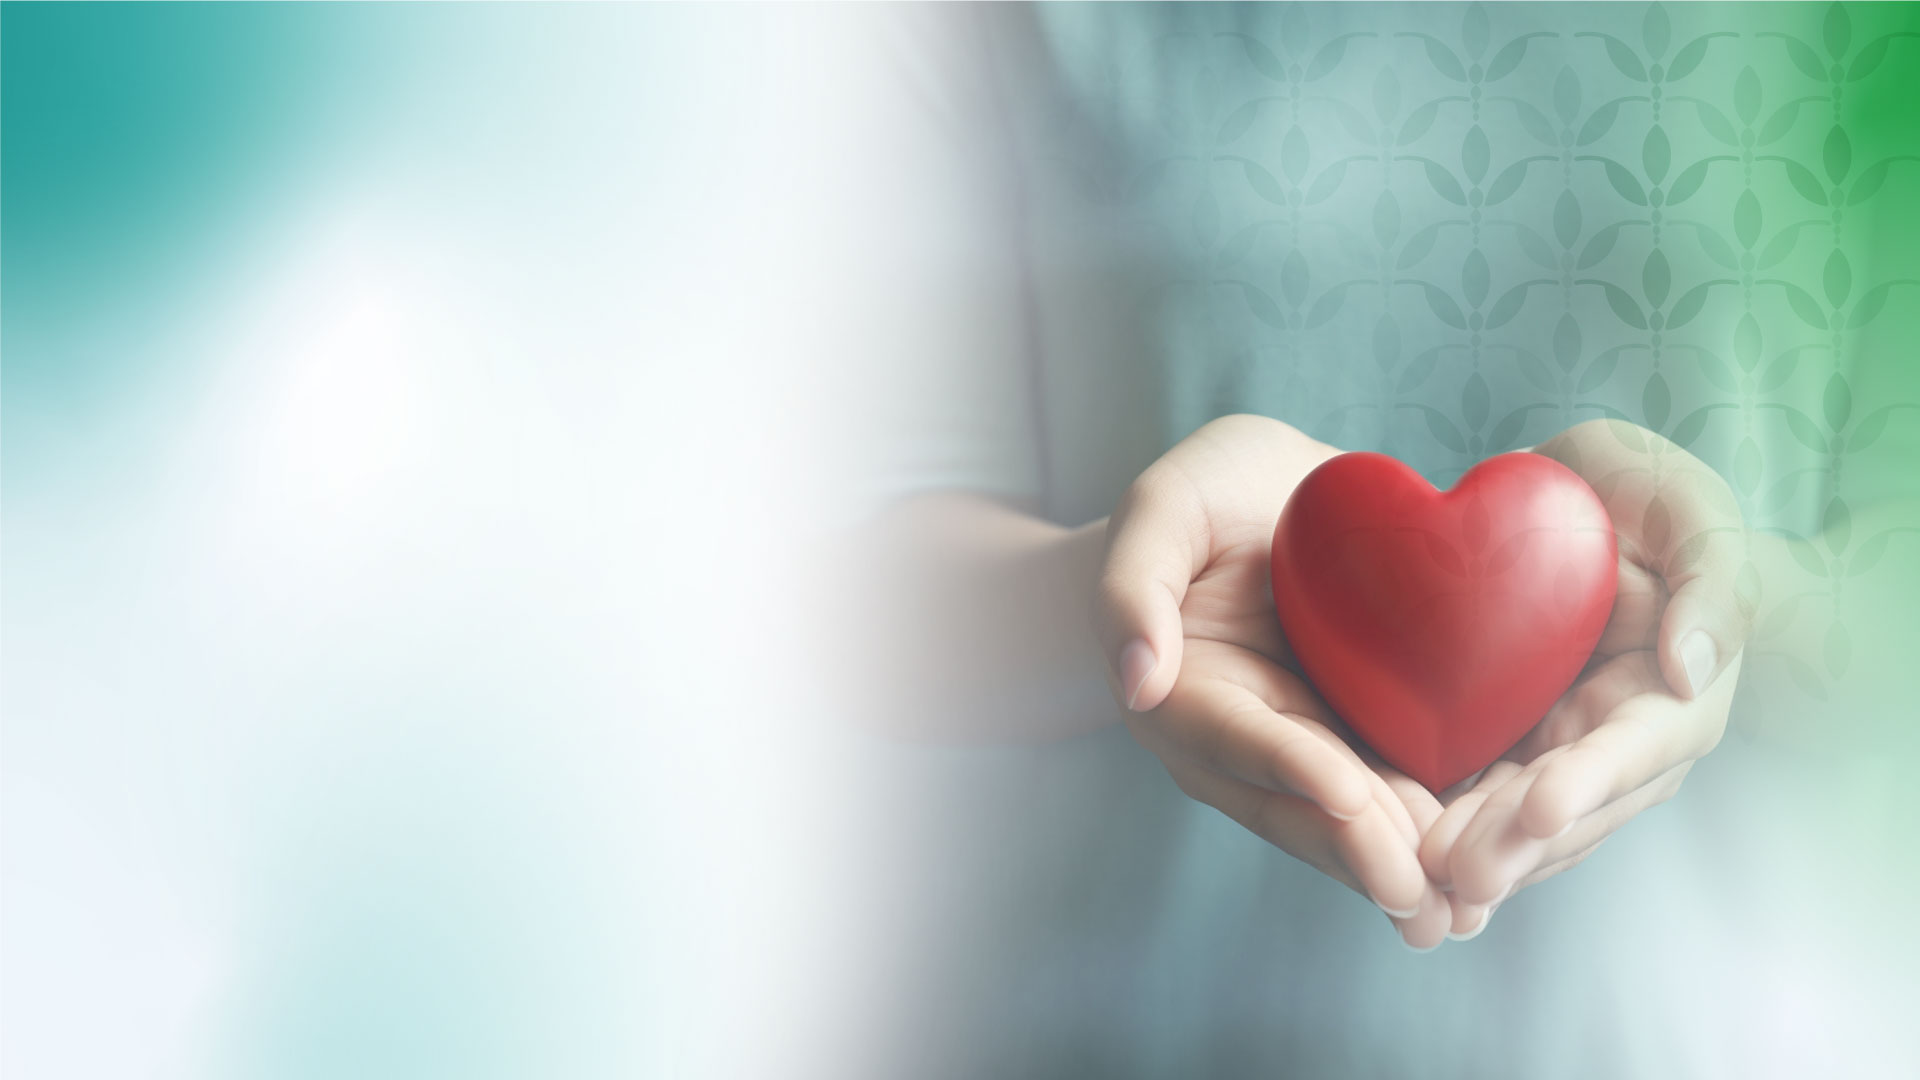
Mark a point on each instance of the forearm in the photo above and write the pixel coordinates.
(984, 622)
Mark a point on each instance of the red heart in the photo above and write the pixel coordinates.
(1440, 626)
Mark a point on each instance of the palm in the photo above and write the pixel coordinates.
(1231, 602)
(1237, 474)
(1620, 739)
(1625, 659)
(1186, 573)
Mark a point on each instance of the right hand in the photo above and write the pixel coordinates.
(1195, 652)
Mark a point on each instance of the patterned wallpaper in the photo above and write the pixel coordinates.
(1444, 231)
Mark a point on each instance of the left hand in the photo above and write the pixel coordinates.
(1196, 656)
(1654, 698)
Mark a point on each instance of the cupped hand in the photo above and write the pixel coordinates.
(1194, 650)
(1654, 698)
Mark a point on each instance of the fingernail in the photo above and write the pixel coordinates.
(1136, 663)
(1407, 914)
(1564, 829)
(1698, 656)
(1411, 947)
(1486, 916)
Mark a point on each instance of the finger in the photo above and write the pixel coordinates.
(1413, 810)
(1592, 699)
(1427, 927)
(1364, 854)
(1707, 618)
(1639, 600)
(1226, 728)
(1383, 862)
(1596, 828)
(1680, 517)
(1604, 822)
(1509, 855)
(1640, 739)
(1285, 821)
(1553, 869)
(1409, 805)
(1468, 920)
(1157, 540)
(1461, 787)
(1375, 774)
(1440, 836)
(1492, 851)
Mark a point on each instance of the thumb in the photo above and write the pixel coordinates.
(1156, 542)
(1685, 524)
(1708, 616)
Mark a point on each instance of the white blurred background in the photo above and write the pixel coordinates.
(403, 496)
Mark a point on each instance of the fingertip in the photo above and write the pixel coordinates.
(1492, 862)
(1427, 927)
(1433, 859)
(1403, 929)
(1699, 662)
(1565, 791)
(1436, 847)
(1699, 633)
(1474, 924)
(1400, 903)
(1479, 888)
(1348, 797)
(1314, 768)
(1141, 636)
(1403, 895)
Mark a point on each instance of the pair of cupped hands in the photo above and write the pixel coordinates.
(1197, 656)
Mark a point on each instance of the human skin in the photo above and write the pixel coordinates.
(1183, 630)
(1618, 742)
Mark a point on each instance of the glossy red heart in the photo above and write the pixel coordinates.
(1440, 626)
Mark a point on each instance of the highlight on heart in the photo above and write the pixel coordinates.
(1441, 626)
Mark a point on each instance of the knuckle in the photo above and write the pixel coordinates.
(1281, 764)
(1139, 497)
(1548, 796)
(1115, 585)
(1150, 489)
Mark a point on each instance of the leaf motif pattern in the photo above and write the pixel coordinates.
(1451, 229)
